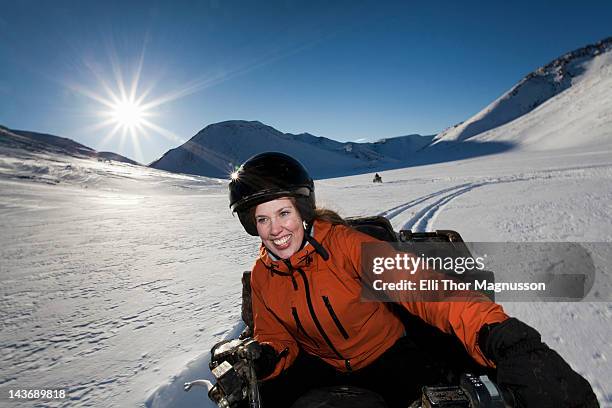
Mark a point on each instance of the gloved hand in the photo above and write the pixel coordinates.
(266, 362)
(536, 375)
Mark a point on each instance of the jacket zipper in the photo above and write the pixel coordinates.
(334, 317)
(300, 327)
(347, 363)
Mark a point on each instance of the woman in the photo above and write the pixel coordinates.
(315, 330)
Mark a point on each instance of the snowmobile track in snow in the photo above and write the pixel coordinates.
(391, 213)
(423, 219)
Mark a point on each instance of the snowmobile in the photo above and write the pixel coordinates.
(468, 384)
(237, 387)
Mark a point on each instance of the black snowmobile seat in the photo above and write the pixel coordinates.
(376, 226)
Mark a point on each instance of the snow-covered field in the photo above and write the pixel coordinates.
(116, 279)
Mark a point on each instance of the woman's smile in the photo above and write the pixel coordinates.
(283, 242)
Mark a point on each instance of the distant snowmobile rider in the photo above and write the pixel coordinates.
(315, 331)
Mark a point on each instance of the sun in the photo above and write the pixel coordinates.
(128, 114)
(126, 109)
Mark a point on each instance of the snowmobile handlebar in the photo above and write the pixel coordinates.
(232, 365)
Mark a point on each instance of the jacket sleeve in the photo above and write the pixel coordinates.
(269, 330)
(462, 317)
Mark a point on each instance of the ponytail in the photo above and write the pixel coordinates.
(324, 214)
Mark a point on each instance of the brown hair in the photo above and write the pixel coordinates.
(325, 214)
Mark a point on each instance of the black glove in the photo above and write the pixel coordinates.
(536, 375)
(266, 362)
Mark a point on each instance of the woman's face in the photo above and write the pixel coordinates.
(280, 226)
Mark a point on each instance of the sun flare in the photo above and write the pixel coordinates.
(128, 114)
(127, 110)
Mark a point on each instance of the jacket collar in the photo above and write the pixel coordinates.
(301, 258)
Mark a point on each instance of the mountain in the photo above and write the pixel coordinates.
(567, 102)
(45, 143)
(217, 149)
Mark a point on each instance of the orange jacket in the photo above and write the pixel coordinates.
(316, 305)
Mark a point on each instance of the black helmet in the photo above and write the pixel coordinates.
(268, 176)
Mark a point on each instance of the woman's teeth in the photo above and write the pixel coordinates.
(282, 241)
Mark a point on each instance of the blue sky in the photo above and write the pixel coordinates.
(347, 70)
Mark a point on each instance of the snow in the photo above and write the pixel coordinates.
(117, 279)
(93, 278)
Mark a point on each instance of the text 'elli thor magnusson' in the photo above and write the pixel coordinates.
(448, 284)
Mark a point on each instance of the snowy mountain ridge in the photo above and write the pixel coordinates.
(553, 103)
(42, 142)
(533, 90)
(550, 108)
(219, 147)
